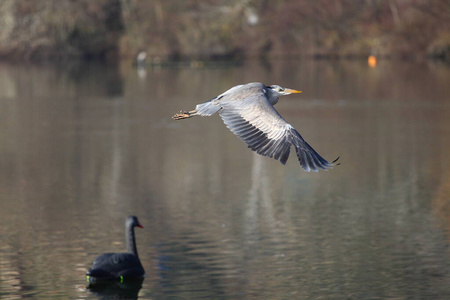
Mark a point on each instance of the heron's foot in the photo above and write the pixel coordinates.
(181, 115)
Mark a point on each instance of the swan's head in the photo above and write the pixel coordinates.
(132, 221)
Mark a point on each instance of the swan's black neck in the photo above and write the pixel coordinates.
(130, 239)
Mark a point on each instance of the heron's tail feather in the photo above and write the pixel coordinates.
(207, 109)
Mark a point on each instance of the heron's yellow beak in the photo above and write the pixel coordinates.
(292, 91)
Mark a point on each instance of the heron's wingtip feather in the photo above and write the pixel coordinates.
(336, 161)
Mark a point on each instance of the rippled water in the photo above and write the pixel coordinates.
(83, 146)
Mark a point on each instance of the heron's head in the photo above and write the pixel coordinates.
(282, 91)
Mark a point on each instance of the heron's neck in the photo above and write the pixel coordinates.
(274, 100)
(130, 240)
(272, 97)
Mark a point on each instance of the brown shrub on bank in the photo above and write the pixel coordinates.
(219, 29)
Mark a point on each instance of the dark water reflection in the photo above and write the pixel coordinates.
(84, 146)
(128, 289)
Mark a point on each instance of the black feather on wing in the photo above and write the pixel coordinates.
(309, 159)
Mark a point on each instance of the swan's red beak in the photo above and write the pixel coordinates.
(140, 226)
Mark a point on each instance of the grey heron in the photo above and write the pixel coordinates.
(247, 110)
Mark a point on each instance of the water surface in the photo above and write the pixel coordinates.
(84, 146)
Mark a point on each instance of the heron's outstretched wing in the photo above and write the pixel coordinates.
(255, 121)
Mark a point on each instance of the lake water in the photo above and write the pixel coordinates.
(84, 146)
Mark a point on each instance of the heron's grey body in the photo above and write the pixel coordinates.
(247, 110)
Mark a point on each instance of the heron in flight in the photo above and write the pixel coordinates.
(247, 110)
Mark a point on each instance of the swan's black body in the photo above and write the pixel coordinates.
(117, 266)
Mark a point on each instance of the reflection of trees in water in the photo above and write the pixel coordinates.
(73, 162)
(55, 153)
(362, 226)
(259, 194)
(191, 265)
(441, 200)
(376, 227)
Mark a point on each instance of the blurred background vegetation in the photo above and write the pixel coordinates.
(219, 29)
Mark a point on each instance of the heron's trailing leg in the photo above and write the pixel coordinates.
(184, 114)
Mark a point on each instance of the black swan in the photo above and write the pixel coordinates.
(117, 266)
